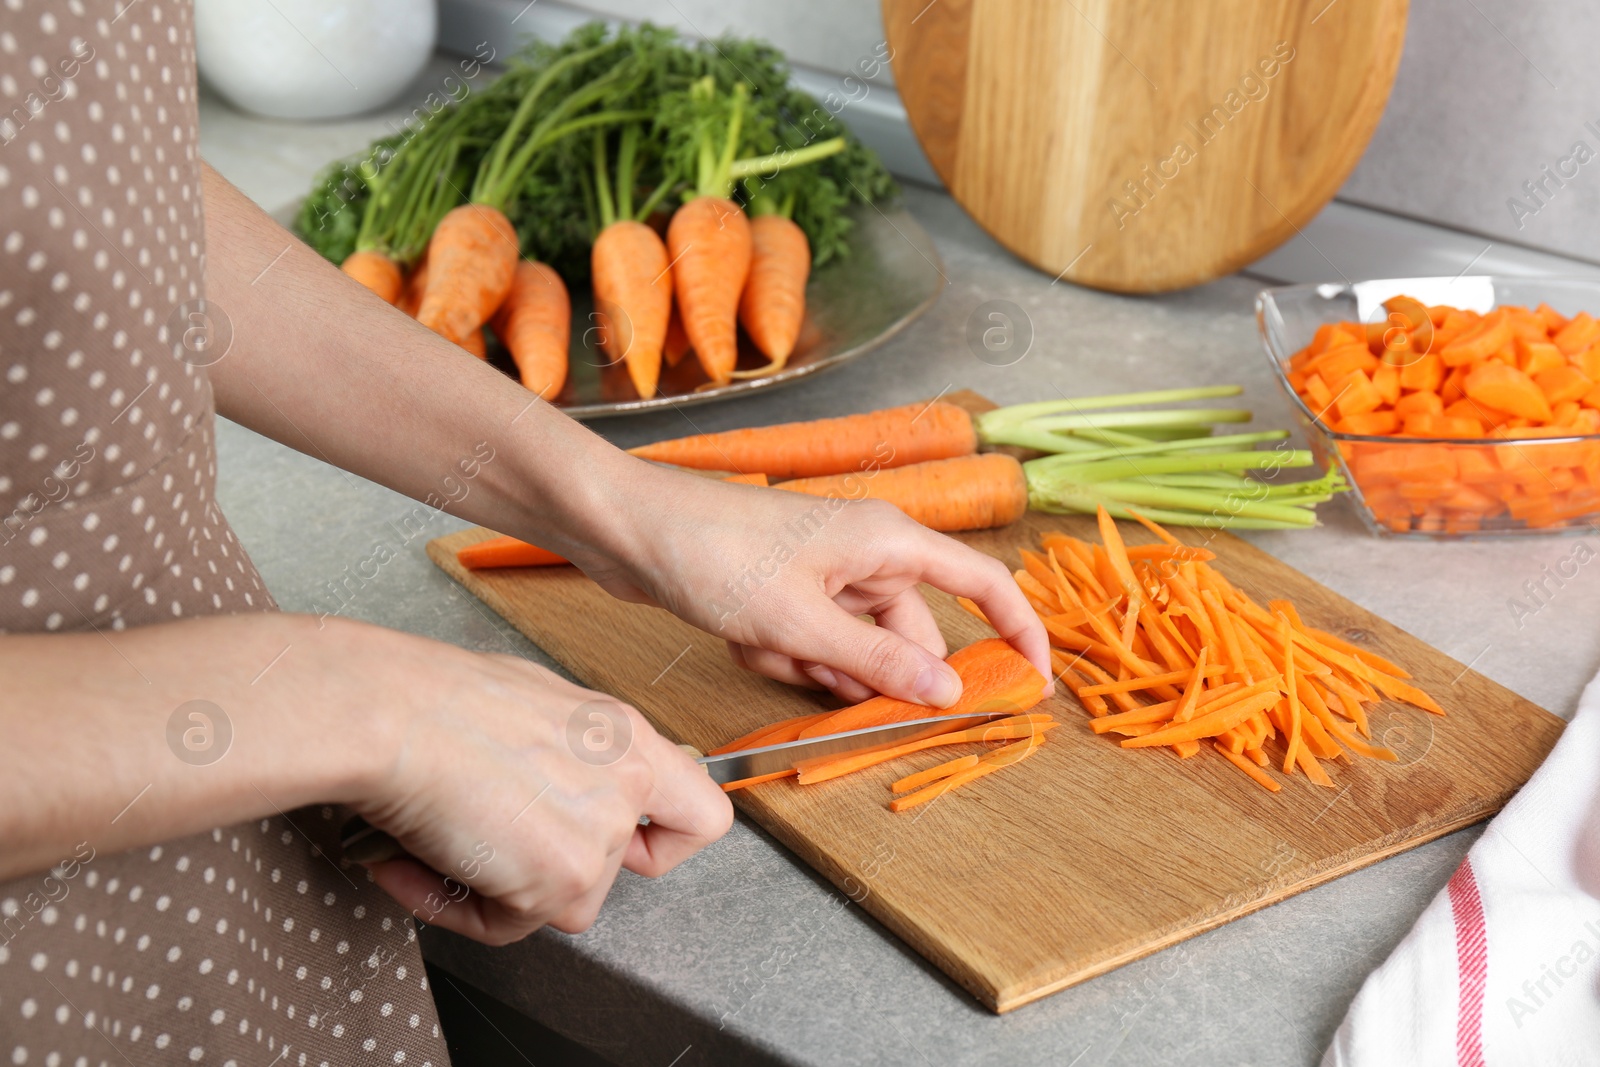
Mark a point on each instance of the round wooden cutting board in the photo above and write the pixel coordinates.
(1143, 145)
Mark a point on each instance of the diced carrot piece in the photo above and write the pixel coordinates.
(1336, 363)
(1554, 321)
(1357, 395)
(1564, 413)
(1370, 424)
(1508, 389)
(1492, 333)
(1454, 385)
(1425, 373)
(1588, 361)
(1581, 332)
(1424, 403)
(1591, 399)
(1563, 383)
(1318, 395)
(1533, 358)
(1386, 380)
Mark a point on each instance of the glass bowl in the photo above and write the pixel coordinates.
(1442, 488)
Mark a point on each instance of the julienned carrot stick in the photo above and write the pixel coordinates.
(1015, 752)
(933, 774)
(965, 493)
(1179, 621)
(535, 325)
(874, 440)
(1248, 767)
(745, 783)
(506, 552)
(774, 300)
(994, 677)
(377, 272)
(823, 769)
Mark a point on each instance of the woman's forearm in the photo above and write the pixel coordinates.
(320, 364)
(161, 731)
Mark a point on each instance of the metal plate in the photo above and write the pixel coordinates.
(892, 275)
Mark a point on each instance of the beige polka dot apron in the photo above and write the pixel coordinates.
(251, 944)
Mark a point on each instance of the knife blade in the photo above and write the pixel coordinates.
(364, 843)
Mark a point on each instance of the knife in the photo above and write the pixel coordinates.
(364, 843)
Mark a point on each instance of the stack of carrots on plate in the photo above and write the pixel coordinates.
(1487, 393)
(683, 184)
(1191, 663)
(994, 677)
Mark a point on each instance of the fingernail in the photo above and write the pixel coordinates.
(938, 685)
(822, 675)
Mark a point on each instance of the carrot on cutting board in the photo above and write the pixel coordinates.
(994, 676)
(965, 493)
(377, 272)
(506, 552)
(774, 301)
(535, 325)
(892, 437)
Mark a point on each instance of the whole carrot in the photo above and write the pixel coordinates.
(709, 243)
(506, 552)
(472, 261)
(774, 299)
(416, 282)
(677, 342)
(893, 437)
(473, 342)
(965, 493)
(377, 272)
(633, 299)
(535, 325)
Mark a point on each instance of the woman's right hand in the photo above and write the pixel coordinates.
(518, 793)
(523, 789)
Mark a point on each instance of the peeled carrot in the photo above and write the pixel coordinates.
(535, 325)
(377, 272)
(966, 493)
(632, 280)
(709, 244)
(774, 733)
(506, 552)
(774, 300)
(994, 676)
(892, 437)
(472, 261)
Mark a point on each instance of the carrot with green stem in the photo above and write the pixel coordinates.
(708, 240)
(631, 274)
(474, 250)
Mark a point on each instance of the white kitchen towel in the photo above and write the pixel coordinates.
(1503, 968)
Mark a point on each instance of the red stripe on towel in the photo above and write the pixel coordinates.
(1472, 964)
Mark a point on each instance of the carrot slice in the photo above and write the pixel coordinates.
(826, 768)
(1010, 754)
(943, 770)
(1248, 767)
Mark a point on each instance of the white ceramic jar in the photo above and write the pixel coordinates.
(313, 59)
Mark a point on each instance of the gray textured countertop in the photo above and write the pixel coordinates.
(745, 955)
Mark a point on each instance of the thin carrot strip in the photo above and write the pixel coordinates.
(826, 768)
(1135, 684)
(1012, 753)
(1097, 674)
(1186, 749)
(1207, 725)
(1249, 768)
(1290, 690)
(1385, 684)
(1191, 688)
(1157, 529)
(1224, 629)
(1358, 746)
(728, 787)
(933, 774)
(1313, 769)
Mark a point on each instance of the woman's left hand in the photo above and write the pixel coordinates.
(784, 578)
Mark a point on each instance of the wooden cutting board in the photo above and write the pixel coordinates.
(1088, 856)
(1058, 126)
